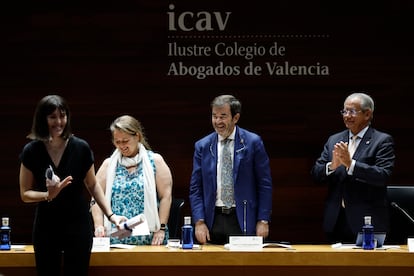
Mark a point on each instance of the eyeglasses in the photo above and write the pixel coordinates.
(352, 112)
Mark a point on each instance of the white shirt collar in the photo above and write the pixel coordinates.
(359, 134)
(231, 136)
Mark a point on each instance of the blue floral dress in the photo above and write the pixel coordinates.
(128, 199)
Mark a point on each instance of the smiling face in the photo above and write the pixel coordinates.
(354, 117)
(56, 122)
(222, 121)
(126, 143)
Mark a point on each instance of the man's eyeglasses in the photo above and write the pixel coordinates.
(352, 112)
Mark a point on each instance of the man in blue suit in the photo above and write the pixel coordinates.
(356, 171)
(250, 209)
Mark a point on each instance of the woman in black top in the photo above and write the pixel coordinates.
(62, 224)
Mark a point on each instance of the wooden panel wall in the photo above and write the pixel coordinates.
(112, 60)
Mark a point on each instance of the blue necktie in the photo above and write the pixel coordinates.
(226, 175)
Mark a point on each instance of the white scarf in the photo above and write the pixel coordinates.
(150, 191)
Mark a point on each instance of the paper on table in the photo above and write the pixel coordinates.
(410, 243)
(18, 247)
(353, 246)
(385, 247)
(100, 244)
(276, 245)
(244, 243)
(122, 246)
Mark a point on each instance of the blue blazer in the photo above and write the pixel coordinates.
(364, 192)
(252, 180)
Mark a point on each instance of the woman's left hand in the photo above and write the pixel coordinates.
(158, 237)
(54, 187)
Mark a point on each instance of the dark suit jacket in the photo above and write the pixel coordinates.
(252, 180)
(364, 192)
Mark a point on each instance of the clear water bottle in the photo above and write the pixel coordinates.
(5, 243)
(368, 242)
(187, 234)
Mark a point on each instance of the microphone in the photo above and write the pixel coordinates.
(245, 217)
(395, 205)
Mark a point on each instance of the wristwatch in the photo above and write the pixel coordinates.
(163, 226)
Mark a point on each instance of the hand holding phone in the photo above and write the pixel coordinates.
(51, 176)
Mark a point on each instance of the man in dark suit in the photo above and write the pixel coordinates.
(250, 208)
(356, 171)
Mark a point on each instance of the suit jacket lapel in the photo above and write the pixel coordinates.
(364, 143)
(239, 151)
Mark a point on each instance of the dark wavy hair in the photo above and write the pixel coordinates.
(46, 106)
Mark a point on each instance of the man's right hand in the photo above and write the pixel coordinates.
(201, 232)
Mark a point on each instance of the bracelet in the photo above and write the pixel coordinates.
(109, 217)
(47, 198)
(126, 227)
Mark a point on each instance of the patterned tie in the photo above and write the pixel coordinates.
(226, 175)
(352, 146)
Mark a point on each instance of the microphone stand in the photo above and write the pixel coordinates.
(395, 205)
(244, 217)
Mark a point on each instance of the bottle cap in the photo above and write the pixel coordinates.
(187, 220)
(5, 221)
(367, 219)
